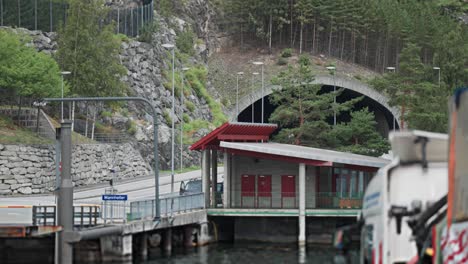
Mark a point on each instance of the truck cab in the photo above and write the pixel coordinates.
(414, 180)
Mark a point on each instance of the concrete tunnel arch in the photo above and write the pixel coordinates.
(351, 85)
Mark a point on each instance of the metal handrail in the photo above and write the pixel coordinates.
(168, 206)
(284, 200)
(84, 215)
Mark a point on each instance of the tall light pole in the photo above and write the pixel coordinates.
(172, 47)
(263, 86)
(393, 70)
(332, 70)
(390, 68)
(437, 69)
(252, 94)
(63, 73)
(184, 69)
(237, 96)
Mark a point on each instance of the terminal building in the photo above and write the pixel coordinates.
(280, 192)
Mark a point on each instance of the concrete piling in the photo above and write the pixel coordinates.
(188, 236)
(167, 240)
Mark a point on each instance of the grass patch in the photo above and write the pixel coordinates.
(190, 128)
(286, 53)
(282, 61)
(188, 169)
(197, 77)
(131, 127)
(13, 134)
(146, 32)
(185, 41)
(106, 114)
(167, 116)
(121, 38)
(186, 118)
(190, 106)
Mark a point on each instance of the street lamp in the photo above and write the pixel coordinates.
(237, 95)
(184, 69)
(393, 69)
(437, 69)
(172, 47)
(332, 70)
(263, 86)
(251, 96)
(63, 73)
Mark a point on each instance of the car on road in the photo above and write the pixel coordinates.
(195, 186)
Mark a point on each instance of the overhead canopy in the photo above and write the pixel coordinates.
(235, 132)
(300, 154)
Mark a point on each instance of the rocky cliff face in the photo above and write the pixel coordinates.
(31, 169)
(145, 63)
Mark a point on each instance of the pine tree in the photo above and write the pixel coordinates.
(302, 109)
(360, 135)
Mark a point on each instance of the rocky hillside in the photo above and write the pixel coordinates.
(149, 75)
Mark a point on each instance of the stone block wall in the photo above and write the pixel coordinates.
(26, 169)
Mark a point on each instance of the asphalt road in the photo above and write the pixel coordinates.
(136, 189)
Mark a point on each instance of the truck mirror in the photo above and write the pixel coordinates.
(182, 187)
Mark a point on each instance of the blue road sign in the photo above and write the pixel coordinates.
(114, 197)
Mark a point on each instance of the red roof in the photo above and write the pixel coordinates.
(235, 132)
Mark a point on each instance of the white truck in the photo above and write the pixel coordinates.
(397, 197)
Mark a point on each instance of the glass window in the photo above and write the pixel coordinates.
(343, 186)
(361, 183)
(353, 184)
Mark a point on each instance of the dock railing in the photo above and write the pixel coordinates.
(290, 200)
(169, 205)
(84, 215)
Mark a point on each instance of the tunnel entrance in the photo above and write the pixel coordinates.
(384, 118)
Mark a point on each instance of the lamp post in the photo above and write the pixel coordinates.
(332, 70)
(172, 47)
(237, 96)
(63, 73)
(251, 96)
(438, 70)
(263, 86)
(184, 69)
(393, 70)
(390, 68)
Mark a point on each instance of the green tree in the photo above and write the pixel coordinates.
(90, 51)
(359, 135)
(422, 103)
(303, 110)
(24, 71)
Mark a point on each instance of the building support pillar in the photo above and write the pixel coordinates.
(167, 240)
(227, 180)
(302, 205)
(206, 176)
(203, 234)
(188, 236)
(143, 246)
(214, 176)
(116, 248)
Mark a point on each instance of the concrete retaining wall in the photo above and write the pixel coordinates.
(28, 169)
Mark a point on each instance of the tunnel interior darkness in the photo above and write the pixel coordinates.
(382, 115)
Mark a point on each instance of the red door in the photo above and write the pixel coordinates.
(288, 188)
(247, 187)
(264, 186)
(264, 191)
